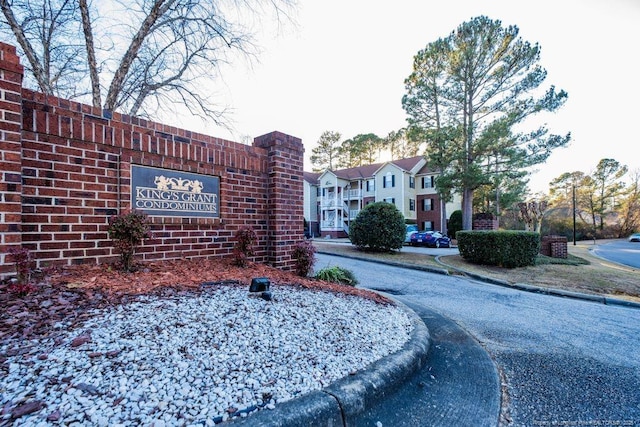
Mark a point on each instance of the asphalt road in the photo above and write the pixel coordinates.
(620, 251)
(564, 362)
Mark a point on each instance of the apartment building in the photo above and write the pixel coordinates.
(334, 198)
(311, 204)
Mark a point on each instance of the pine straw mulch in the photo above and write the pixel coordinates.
(68, 294)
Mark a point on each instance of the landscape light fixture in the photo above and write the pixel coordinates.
(261, 285)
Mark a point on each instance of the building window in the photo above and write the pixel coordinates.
(371, 185)
(390, 200)
(389, 180)
(318, 192)
(427, 182)
(427, 204)
(412, 182)
(427, 225)
(412, 204)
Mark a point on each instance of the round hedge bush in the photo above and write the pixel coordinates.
(455, 223)
(379, 227)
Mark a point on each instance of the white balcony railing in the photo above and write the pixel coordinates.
(351, 214)
(329, 203)
(352, 194)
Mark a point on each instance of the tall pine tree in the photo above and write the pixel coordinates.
(467, 95)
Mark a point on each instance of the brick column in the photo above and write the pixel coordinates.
(11, 74)
(554, 246)
(285, 205)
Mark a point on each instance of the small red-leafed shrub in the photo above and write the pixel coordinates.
(304, 256)
(246, 238)
(23, 259)
(127, 231)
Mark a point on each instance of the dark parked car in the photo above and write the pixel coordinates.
(432, 239)
(411, 228)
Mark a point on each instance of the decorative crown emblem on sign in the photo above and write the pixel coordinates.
(163, 183)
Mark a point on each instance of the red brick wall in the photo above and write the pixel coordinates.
(485, 224)
(11, 73)
(66, 170)
(434, 215)
(554, 246)
(285, 196)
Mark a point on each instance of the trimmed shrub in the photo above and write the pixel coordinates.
(337, 274)
(379, 227)
(455, 223)
(127, 231)
(246, 238)
(304, 256)
(508, 249)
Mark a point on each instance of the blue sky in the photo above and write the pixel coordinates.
(342, 68)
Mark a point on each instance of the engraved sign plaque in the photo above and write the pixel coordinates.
(165, 192)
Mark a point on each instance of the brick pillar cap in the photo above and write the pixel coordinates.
(279, 138)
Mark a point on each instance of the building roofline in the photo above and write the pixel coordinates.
(369, 171)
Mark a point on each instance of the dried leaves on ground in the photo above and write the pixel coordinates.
(68, 294)
(594, 277)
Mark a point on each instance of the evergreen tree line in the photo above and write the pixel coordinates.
(606, 200)
(332, 152)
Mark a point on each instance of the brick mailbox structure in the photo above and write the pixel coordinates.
(554, 246)
(484, 221)
(66, 168)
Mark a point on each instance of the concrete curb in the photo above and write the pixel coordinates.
(340, 402)
(391, 263)
(547, 291)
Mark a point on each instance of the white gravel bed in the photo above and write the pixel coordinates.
(197, 359)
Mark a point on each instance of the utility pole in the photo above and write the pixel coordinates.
(573, 189)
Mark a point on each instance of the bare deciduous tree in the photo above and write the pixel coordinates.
(141, 57)
(629, 209)
(532, 213)
(47, 33)
(91, 53)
